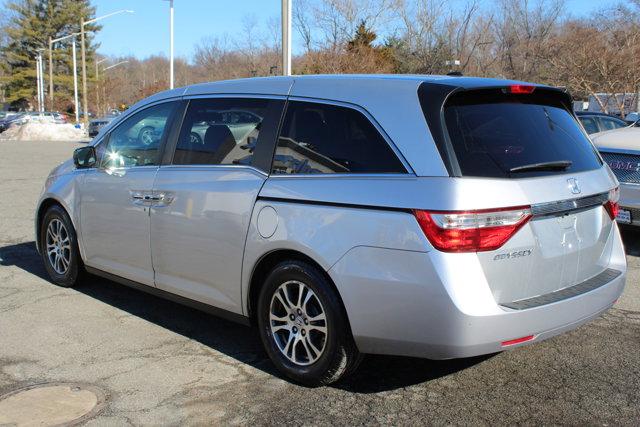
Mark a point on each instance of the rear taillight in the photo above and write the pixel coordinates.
(611, 205)
(472, 231)
(521, 89)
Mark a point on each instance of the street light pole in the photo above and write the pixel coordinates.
(286, 37)
(85, 118)
(75, 80)
(38, 80)
(50, 73)
(84, 60)
(98, 85)
(171, 45)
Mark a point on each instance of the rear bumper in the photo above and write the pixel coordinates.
(410, 303)
(630, 200)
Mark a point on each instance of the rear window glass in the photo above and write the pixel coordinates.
(500, 135)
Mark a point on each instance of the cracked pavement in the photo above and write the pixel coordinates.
(162, 363)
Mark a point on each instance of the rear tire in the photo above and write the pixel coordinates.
(59, 248)
(303, 325)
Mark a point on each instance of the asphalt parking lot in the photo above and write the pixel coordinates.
(160, 363)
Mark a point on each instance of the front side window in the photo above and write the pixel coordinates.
(320, 138)
(137, 140)
(220, 131)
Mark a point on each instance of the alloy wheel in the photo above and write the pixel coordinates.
(58, 246)
(298, 323)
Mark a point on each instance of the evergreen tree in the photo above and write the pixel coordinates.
(30, 25)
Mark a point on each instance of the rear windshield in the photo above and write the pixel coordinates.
(500, 135)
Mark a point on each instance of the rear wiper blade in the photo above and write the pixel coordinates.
(559, 165)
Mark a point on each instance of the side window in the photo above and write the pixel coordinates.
(220, 131)
(610, 124)
(136, 141)
(321, 138)
(589, 124)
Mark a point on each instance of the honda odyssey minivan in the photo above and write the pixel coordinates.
(435, 217)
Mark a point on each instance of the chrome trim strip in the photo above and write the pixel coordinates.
(572, 291)
(349, 175)
(618, 151)
(565, 206)
(214, 168)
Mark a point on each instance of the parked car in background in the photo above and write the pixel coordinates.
(60, 118)
(96, 124)
(438, 217)
(621, 150)
(599, 122)
(14, 119)
(632, 117)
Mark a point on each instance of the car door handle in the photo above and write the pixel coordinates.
(161, 199)
(140, 197)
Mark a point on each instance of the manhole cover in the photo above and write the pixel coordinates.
(50, 404)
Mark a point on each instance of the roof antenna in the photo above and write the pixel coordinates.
(455, 73)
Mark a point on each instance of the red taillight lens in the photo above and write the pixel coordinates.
(611, 206)
(472, 231)
(521, 89)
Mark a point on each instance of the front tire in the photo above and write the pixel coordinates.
(303, 325)
(59, 248)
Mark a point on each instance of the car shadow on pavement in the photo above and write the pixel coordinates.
(376, 373)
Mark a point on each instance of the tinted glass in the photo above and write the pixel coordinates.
(493, 134)
(220, 131)
(607, 123)
(321, 138)
(137, 140)
(589, 124)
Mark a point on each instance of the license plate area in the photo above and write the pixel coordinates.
(624, 216)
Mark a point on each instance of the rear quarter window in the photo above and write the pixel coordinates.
(318, 138)
(495, 134)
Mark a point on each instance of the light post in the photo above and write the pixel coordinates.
(40, 80)
(108, 68)
(170, 44)
(98, 85)
(75, 69)
(84, 59)
(286, 37)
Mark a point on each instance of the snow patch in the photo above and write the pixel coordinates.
(43, 132)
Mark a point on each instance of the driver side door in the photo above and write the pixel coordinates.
(116, 196)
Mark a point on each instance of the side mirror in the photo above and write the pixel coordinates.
(84, 157)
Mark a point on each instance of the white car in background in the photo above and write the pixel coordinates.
(620, 148)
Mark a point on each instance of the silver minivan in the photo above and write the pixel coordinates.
(436, 217)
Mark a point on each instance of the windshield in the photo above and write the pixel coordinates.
(500, 135)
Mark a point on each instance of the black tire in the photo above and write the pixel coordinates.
(74, 272)
(339, 356)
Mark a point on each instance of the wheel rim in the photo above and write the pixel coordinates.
(298, 323)
(194, 138)
(147, 137)
(58, 246)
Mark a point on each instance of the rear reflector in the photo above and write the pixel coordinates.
(521, 89)
(472, 231)
(611, 206)
(517, 341)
